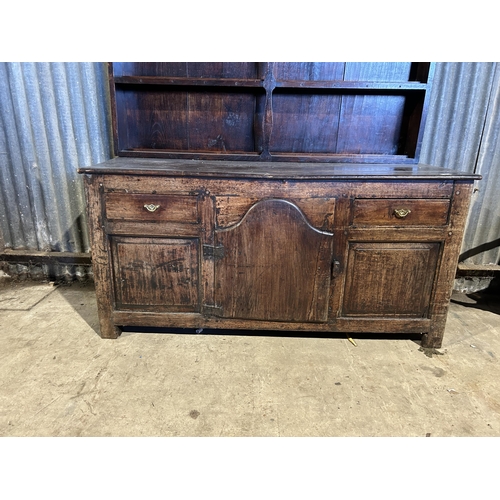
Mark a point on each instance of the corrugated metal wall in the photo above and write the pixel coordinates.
(463, 133)
(54, 118)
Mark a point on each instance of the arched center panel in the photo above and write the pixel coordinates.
(274, 266)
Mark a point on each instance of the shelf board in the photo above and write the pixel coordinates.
(276, 156)
(346, 85)
(291, 84)
(181, 81)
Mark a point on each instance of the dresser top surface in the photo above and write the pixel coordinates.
(273, 170)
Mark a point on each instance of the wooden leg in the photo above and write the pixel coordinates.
(101, 264)
(431, 342)
(108, 330)
(434, 338)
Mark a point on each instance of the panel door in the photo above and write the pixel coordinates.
(275, 266)
(389, 279)
(156, 274)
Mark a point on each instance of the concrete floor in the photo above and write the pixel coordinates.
(59, 378)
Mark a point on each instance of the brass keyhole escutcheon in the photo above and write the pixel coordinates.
(401, 213)
(151, 207)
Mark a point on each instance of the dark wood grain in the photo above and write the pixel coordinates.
(370, 124)
(309, 71)
(152, 119)
(285, 111)
(150, 69)
(411, 119)
(171, 208)
(116, 126)
(207, 263)
(222, 122)
(305, 123)
(276, 186)
(194, 320)
(242, 70)
(389, 279)
(376, 325)
(278, 252)
(186, 120)
(101, 265)
(152, 228)
(267, 116)
(188, 82)
(451, 250)
(363, 87)
(383, 212)
(319, 212)
(275, 266)
(255, 156)
(378, 71)
(424, 72)
(276, 170)
(156, 274)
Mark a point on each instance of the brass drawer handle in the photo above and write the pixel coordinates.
(151, 207)
(401, 213)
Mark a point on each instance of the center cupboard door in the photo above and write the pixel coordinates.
(273, 265)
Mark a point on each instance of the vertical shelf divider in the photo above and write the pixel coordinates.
(267, 127)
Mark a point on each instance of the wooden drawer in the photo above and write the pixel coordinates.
(400, 212)
(149, 207)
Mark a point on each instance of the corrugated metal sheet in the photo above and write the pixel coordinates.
(482, 238)
(53, 118)
(463, 132)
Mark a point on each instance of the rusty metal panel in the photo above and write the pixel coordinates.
(53, 118)
(463, 133)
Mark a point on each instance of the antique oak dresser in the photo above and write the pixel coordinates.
(274, 196)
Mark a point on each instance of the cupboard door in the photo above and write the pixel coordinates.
(275, 266)
(156, 274)
(389, 279)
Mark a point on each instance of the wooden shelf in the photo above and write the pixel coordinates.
(292, 84)
(321, 112)
(343, 85)
(192, 82)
